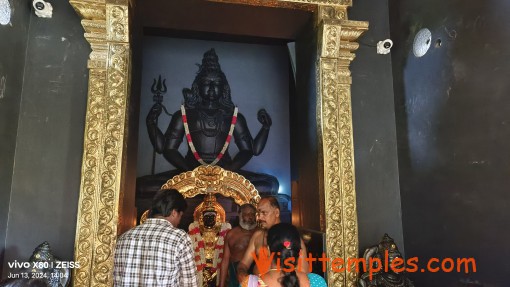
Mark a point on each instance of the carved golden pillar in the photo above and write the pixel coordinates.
(334, 119)
(106, 25)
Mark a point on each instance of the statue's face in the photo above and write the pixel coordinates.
(209, 219)
(211, 87)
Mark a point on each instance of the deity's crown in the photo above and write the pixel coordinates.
(210, 63)
(42, 253)
(210, 202)
(387, 243)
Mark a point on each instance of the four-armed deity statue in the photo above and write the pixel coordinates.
(208, 120)
(208, 233)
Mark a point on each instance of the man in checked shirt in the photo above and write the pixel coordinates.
(157, 253)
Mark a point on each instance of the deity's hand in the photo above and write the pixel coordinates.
(155, 112)
(264, 118)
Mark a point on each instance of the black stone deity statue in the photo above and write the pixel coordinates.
(383, 269)
(208, 120)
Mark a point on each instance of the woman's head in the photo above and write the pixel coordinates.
(284, 238)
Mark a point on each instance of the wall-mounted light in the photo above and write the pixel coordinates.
(421, 42)
(5, 12)
(42, 8)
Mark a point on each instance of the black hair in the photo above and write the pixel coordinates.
(278, 238)
(167, 200)
(272, 201)
(247, 205)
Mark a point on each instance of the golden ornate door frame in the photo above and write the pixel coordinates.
(106, 24)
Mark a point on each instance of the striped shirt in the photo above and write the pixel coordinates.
(154, 254)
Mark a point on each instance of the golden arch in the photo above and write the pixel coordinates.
(214, 179)
(208, 179)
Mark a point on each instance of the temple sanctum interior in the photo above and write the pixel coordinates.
(381, 129)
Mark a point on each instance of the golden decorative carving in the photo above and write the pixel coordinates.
(337, 16)
(90, 179)
(93, 14)
(95, 27)
(308, 5)
(347, 178)
(352, 29)
(214, 179)
(104, 143)
(114, 137)
(332, 12)
(91, 10)
(272, 3)
(330, 41)
(336, 168)
(106, 25)
(349, 46)
(323, 2)
(117, 19)
(207, 179)
(331, 164)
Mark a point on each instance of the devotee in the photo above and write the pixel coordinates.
(268, 214)
(283, 241)
(236, 242)
(157, 253)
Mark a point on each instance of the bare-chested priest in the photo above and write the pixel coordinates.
(236, 243)
(268, 214)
